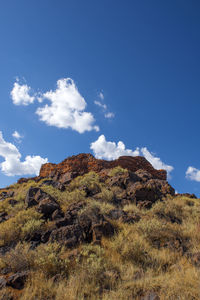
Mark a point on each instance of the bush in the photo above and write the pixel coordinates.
(47, 258)
(117, 171)
(17, 227)
(19, 258)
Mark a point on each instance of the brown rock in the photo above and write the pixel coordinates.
(84, 163)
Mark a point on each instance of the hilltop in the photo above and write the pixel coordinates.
(93, 229)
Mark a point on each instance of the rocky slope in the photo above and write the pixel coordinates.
(84, 163)
(80, 214)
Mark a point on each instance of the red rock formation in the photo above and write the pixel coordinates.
(84, 163)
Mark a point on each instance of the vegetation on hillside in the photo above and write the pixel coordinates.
(158, 251)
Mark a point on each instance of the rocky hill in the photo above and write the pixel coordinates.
(95, 229)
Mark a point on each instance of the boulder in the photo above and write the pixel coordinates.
(89, 226)
(147, 193)
(33, 196)
(47, 206)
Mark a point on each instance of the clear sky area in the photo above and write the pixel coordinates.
(104, 77)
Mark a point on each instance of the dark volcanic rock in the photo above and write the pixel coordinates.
(33, 196)
(118, 214)
(191, 196)
(3, 217)
(47, 206)
(17, 280)
(122, 180)
(145, 194)
(2, 282)
(5, 195)
(151, 296)
(89, 226)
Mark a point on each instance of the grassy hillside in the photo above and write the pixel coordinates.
(128, 251)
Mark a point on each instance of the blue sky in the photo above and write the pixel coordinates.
(133, 70)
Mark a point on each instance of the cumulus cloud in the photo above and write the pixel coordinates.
(155, 161)
(66, 108)
(110, 150)
(12, 164)
(193, 174)
(17, 135)
(20, 94)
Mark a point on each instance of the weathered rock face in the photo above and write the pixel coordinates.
(46, 203)
(84, 163)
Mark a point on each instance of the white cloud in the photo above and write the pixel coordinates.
(17, 135)
(12, 165)
(67, 108)
(193, 174)
(20, 94)
(155, 161)
(110, 150)
(98, 103)
(109, 115)
(101, 95)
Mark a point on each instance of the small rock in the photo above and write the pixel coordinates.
(151, 296)
(17, 280)
(2, 282)
(57, 214)
(12, 202)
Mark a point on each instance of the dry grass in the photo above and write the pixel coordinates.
(151, 255)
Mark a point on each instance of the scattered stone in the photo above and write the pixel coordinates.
(121, 215)
(2, 282)
(12, 202)
(17, 280)
(57, 214)
(3, 217)
(5, 195)
(151, 296)
(170, 217)
(191, 196)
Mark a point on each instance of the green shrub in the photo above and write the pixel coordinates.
(117, 171)
(48, 259)
(16, 228)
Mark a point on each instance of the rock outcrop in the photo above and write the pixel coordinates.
(84, 163)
